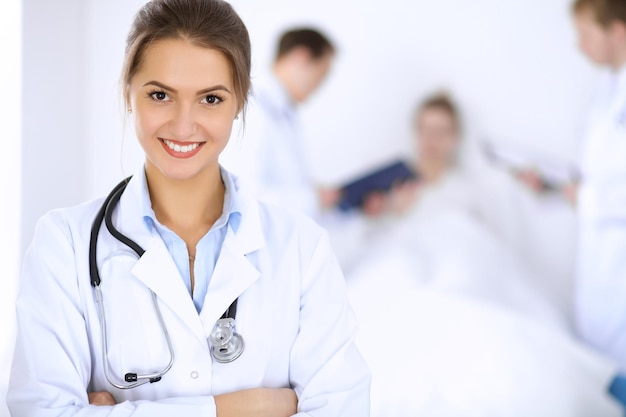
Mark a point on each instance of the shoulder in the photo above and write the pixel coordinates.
(280, 226)
(67, 221)
(276, 218)
(296, 244)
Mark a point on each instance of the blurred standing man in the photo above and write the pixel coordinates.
(272, 158)
(601, 283)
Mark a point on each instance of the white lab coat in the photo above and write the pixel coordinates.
(601, 284)
(272, 157)
(293, 315)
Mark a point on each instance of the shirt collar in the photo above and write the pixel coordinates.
(231, 213)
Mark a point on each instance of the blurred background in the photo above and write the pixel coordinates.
(512, 65)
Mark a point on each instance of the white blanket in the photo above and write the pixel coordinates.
(452, 325)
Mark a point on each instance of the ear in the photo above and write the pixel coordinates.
(617, 30)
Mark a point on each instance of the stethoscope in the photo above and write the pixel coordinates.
(225, 343)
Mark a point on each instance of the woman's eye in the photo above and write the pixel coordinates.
(211, 99)
(159, 96)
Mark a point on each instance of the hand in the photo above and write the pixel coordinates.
(531, 179)
(403, 196)
(258, 402)
(375, 204)
(328, 197)
(101, 398)
(570, 192)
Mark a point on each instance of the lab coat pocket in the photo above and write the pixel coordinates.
(135, 339)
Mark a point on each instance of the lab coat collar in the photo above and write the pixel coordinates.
(248, 233)
(130, 214)
(233, 273)
(273, 96)
(156, 269)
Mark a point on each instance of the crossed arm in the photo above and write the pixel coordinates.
(259, 402)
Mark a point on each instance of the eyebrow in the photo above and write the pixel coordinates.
(173, 90)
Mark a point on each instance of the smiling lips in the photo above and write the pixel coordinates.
(180, 149)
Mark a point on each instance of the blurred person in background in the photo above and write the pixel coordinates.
(600, 195)
(437, 128)
(273, 159)
(442, 181)
(601, 283)
(445, 220)
(466, 310)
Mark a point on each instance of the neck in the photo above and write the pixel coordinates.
(188, 207)
(285, 77)
(619, 60)
(431, 171)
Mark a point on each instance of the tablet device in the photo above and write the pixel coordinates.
(382, 179)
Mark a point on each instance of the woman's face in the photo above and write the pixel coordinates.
(437, 136)
(183, 102)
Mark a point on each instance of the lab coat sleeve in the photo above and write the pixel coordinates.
(52, 364)
(608, 275)
(328, 373)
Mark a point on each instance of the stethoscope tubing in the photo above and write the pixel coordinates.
(133, 380)
(105, 214)
(139, 379)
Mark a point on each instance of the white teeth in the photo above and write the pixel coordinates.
(177, 148)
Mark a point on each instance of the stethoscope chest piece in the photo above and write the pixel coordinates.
(225, 343)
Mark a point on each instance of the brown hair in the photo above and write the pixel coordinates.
(207, 23)
(604, 11)
(441, 101)
(318, 44)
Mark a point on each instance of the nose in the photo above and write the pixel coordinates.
(184, 124)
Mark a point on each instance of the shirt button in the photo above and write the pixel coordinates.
(194, 375)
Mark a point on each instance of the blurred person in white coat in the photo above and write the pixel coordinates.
(183, 294)
(601, 282)
(272, 156)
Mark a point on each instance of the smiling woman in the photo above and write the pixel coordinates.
(210, 266)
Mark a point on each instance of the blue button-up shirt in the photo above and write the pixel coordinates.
(209, 246)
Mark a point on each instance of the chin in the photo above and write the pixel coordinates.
(184, 173)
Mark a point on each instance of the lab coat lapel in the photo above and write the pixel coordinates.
(157, 270)
(234, 272)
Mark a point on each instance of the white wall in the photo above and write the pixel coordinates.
(10, 42)
(54, 143)
(113, 151)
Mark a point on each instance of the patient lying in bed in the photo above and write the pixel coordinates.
(452, 321)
